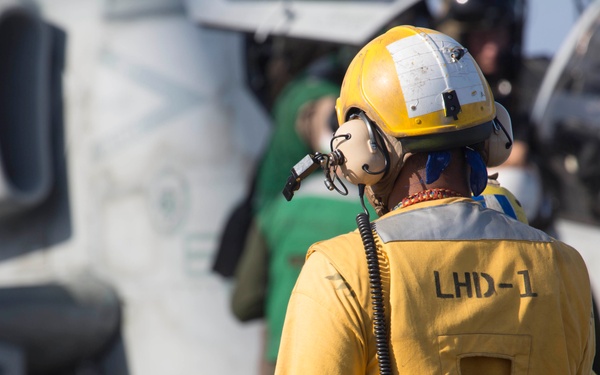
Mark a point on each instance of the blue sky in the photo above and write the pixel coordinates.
(549, 22)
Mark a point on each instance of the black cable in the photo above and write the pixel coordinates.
(379, 325)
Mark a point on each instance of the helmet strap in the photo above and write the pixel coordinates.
(437, 162)
(478, 176)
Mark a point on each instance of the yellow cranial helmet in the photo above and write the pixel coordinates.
(416, 90)
(420, 86)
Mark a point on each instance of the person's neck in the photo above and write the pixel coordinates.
(411, 185)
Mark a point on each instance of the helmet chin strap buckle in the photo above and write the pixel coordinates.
(478, 177)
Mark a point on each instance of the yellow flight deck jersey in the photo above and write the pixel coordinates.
(468, 290)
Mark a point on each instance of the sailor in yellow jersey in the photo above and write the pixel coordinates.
(499, 198)
(454, 287)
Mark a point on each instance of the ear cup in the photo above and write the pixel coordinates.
(356, 142)
(499, 145)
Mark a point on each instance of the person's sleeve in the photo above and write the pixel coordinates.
(251, 277)
(590, 350)
(323, 331)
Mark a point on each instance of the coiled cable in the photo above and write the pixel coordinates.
(379, 324)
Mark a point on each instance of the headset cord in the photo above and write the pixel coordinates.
(379, 325)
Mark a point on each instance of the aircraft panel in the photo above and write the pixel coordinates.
(353, 23)
(162, 136)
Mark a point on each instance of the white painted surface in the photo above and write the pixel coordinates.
(584, 238)
(161, 139)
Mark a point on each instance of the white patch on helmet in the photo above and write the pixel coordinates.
(426, 70)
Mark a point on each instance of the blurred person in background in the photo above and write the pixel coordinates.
(281, 232)
(304, 78)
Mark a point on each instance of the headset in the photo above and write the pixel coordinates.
(364, 143)
(499, 144)
(367, 159)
